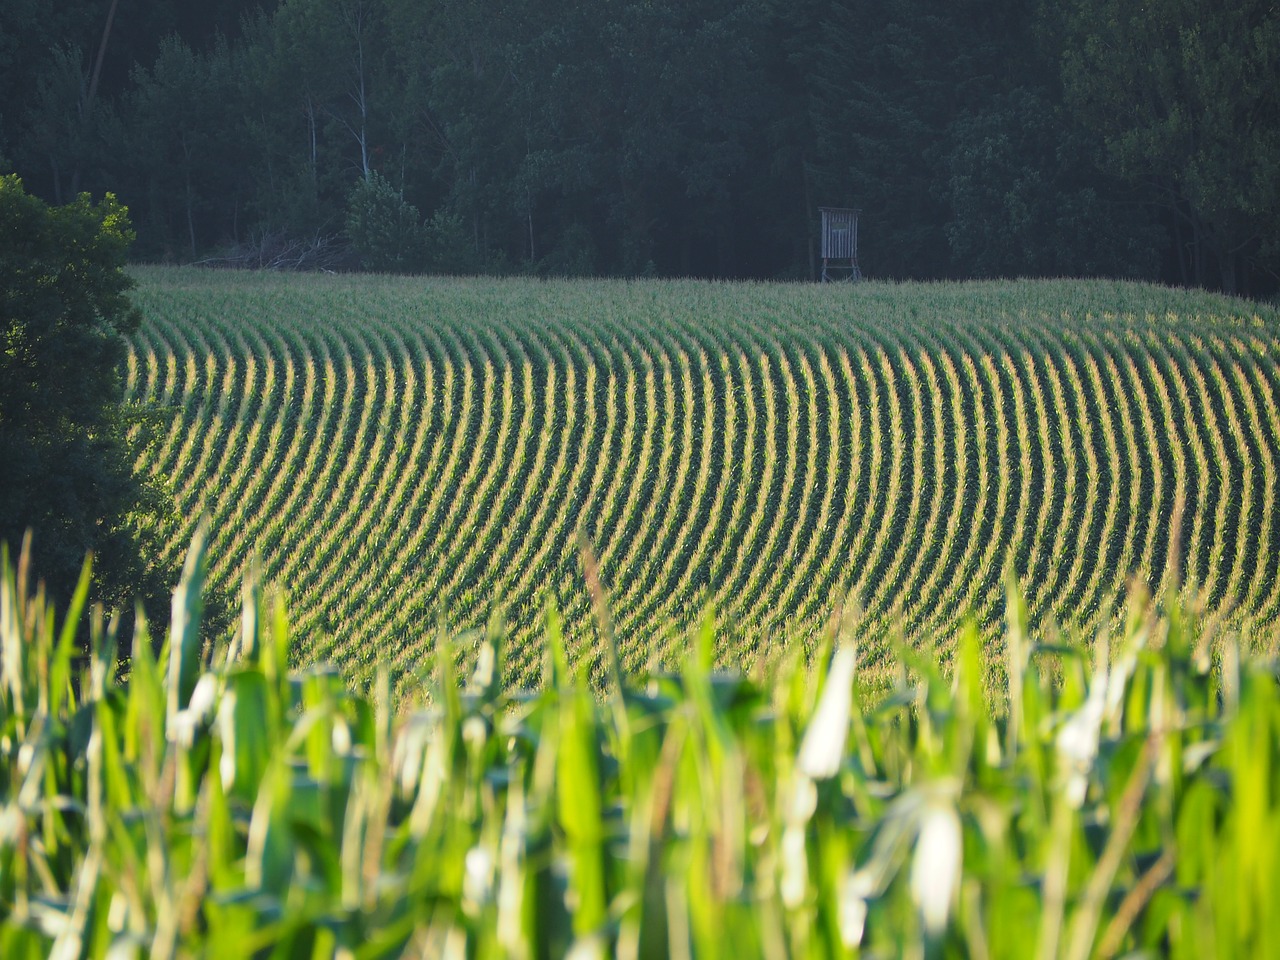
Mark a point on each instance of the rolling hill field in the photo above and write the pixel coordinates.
(406, 452)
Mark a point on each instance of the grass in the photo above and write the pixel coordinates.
(407, 452)
(1072, 799)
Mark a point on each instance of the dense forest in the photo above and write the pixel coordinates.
(669, 137)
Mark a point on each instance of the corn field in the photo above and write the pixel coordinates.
(1118, 797)
(410, 453)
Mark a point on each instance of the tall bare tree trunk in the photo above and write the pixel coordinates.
(102, 54)
(86, 105)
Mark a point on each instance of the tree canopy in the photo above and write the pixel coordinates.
(691, 137)
(1186, 98)
(66, 448)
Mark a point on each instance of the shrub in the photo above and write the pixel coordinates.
(68, 441)
(386, 231)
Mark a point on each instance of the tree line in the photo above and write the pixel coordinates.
(668, 137)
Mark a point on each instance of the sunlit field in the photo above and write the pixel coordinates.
(671, 619)
(407, 453)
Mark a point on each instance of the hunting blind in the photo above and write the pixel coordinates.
(839, 244)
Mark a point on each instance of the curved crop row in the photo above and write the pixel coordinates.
(403, 454)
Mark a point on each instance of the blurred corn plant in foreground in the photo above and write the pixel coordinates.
(1093, 799)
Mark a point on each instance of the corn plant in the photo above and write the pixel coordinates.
(1062, 798)
(403, 451)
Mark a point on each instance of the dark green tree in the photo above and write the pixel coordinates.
(176, 143)
(886, 81)
(66, 440)
(318, 111)
(385, 230)
(1027, 200)
(62, 63)
(1184, 97)
(470, 114)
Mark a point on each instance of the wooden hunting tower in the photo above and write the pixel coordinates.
(839, 244)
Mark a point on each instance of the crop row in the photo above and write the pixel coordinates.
(406, 454)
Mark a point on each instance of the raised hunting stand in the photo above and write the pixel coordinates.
(839, 244)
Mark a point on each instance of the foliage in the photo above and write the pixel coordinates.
(174, 142)
(1024, 202)
(385, 230)
(64, 66)
(690, 138)
(446, 245)
(406, 450)
(389, 236)
(68, 441)
(1069, 800)
(883, 83)
(1184, 98)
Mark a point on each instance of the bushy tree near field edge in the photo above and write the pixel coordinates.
(68, 440)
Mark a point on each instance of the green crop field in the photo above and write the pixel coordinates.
(408, 454)
(403, 453)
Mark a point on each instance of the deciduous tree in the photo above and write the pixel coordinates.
(1184, 95)
(66, 445)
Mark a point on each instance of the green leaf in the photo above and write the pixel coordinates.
(60, 669)
(247, 732)
(184, 628)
